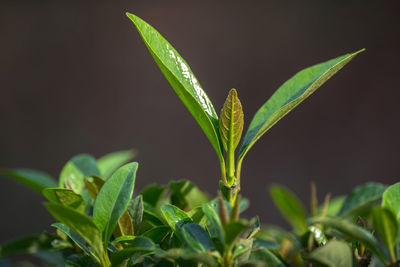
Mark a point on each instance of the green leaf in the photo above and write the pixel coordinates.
(136, 211)
(93, 185)
(334, 253)
(27, 245)
(386, 224)
(254, 227)
(318, 234)
(139, 244)
(80, 224)
(334, 206)
(153, 194)
(289, 96)
(185, 195)
(233, 230)
(182, 80)
(290, 207)
(266, 256)
(214, 225)
(111, 162)
(113, 199)
(242, 250)
(174, 215)
(196, 237)
(198, 216)
(158, 233)
(65, 197)
(76, 238)
(150, 215)
(186, 257)
(124, 226)
(353, 232)
(361, 197)
(391, 199)
(36, 180)
(74, 172)
(79, 260)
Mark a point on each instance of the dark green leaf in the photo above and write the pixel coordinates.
(290, 207)
(213, 223)
(153, 193)
(65, 197)
(242, 250)
(196, 237)
(353, 232)
(79, 260)
(112, 161)
(73, 174)
(189, 257)
(173, 215)
(34, 179)
(185, 195)
(334, 253)
(182, 80)
(27, 245)
(113, 199)
(254, 227)
(139, 244)
(362, 196)
(136, 211)
(150, 215)
(264, 255)
(385, 223)
(158, 233)
(290, 95)
(80, 224)
(233, 230)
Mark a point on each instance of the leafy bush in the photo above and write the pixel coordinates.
(103, 221)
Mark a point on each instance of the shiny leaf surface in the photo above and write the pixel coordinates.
(173, 215)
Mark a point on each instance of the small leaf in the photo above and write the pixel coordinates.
(254, 227)
(182, 80)
(318, 234)
(290, 95)
(353, 232)
(124, 226)
(27, 245)
(391, 199)
(73, 174)
(36, 180)
(93, 185)
(185, 195)
(111, 162)
(361, 197)
(386, 224)
(214, 225)
(333, 207)
(196, 237)
(80, 224)
(65, 197)
(136, 211)
(113, 199)
(290, 207)
(174, 215)
(334, 253)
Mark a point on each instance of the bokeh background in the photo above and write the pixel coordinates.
(76, 77)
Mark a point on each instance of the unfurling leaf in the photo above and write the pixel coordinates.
(231, 121)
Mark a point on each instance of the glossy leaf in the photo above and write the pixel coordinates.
(112, 161)
(93, 185)
(196, 237)
(74, 172)
(136, 212)
(36, 180)
(353, 232)
(290, 207)
(173, 215)
(27, 245)
(290, 95)
(185, 195)
(385, 223)
(318, 234)
(182, 80)
(80, 224)
(334, 253)
(213, 223)
(391, 199)
(65, 197)
(361, 197)
(113, 199)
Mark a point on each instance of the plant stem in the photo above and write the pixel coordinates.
(223, 170)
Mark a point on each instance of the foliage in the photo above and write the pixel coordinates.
(102, 220)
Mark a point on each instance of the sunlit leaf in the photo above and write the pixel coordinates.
(112, 161)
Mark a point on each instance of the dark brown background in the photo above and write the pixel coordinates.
(77, 78)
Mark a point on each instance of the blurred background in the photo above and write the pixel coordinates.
(76, 77)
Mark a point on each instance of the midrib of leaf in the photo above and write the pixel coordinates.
(291, 104)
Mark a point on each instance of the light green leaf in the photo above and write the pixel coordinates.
(182, 80)
(391, 199)
(290, 95)
(196, 237)
(290, 207)
(361, 197)
(334, 253)
(113, 199)
(353, 232)
(175, 216)
(80, 224)
(214, 225)
(74, 172)
(334, 206)
(36, 180)
(386, 224)
(65, 197)
(112, 161)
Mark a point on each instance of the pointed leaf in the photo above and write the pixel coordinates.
(73, 174)
(136, 212)
(391, 199)
(175, 216)
(65, 197)
(334, 253)
(113, 199)
(124, 226)
(158, 233)
(290, 95)
(213, 223)
(80, 224)
(231, 121)
(111, 162)
(233, 230)
(182, 80)
(385, 223)
(186, 195)
(196, 237)
(36, 180)
(290, 207)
